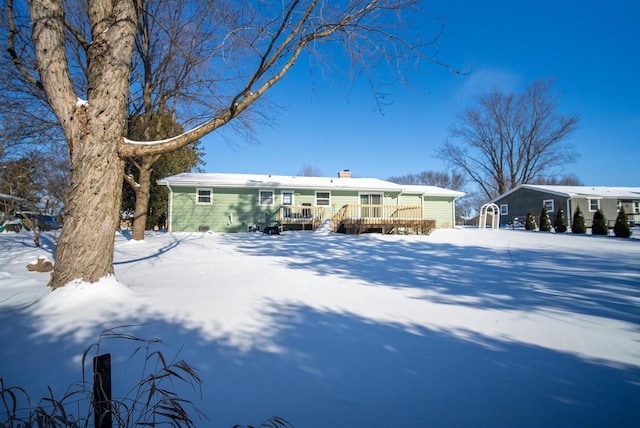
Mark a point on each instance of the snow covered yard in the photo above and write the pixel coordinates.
(459, 328)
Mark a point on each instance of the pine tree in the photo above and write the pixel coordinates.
(599, 226)
(560, 222)
(545, 221)
(622, 229)
(530, 222)
(578, 223)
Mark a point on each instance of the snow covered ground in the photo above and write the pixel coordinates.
(460, 328)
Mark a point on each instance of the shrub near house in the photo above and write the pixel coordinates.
(530, 222)
(622, 229)
(578, 225)
(599, 225)
(545, 221)
(560, 222)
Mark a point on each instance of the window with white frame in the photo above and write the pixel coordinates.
(204, 196)
(287, 197)
(594, 205)
(323, 198)
(636, 207)
(548, 203)
(504, 209)
(265, 197)
(619, 205)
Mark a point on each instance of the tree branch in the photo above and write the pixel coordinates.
(11, 49)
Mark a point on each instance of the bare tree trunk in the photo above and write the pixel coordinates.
(142, 191)
(86, 244)
(93, 130)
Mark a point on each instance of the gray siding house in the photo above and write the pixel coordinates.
(529, 197)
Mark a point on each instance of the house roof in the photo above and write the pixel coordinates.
(298, 182)
(5, 197)
(587, 191)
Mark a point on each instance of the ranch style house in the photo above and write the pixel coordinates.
(244, 202)
(528, 197)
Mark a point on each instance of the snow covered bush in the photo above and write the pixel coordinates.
(578, 225)
(545, 221)
(560, 222)
(622, 229)
(599, 225)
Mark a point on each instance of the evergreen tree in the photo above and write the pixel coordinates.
(140, 195)
(185, 159)
(560, 222)
(622, 229)
(530, 222)
(545, 221)
(599, 226)
(578, 224)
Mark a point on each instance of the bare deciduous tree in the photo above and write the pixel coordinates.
(259, 46)
(309, 171)
(510, 139)
(558, 180)
(442, 179)
(447, 180)
(170, 76)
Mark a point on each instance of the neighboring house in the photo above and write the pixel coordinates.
(240, 202)
(528, 197)
(9, 204)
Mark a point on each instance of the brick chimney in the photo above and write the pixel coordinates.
(345, 173)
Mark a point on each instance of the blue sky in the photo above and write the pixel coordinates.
(591, 49)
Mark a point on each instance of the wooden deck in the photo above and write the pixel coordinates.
(356, 226)
(301, 216)
(405, 219)
(359, 218)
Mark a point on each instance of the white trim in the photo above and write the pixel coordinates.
(593, 199)
(545, 202)
(364, 211)
(293, 197)
(204, 189)
(381, 194)
(316, 198)
(504, 209)
(170, 208)
(273, 197)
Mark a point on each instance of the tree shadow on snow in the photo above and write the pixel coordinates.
(335, 369)
(490, 278)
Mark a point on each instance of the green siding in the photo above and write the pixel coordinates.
(235, 209)
(408, 199)
(232, 210)
(440, 209)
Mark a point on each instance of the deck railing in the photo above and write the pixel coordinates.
(382, 212)
(301, 213)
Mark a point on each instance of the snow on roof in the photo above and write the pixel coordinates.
(299, 182)
(6, 197)
(432, 190)
(594, 191)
